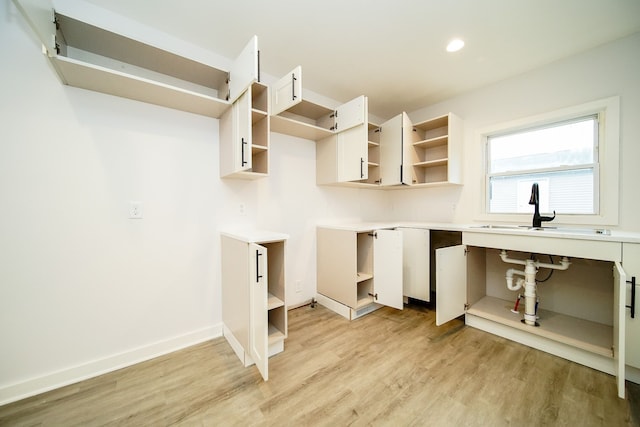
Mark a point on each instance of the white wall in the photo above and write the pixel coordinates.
(84, 289)
(606, 71)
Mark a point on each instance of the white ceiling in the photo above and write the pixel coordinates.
(393, 51)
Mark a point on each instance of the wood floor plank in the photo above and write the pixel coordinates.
(389, 367)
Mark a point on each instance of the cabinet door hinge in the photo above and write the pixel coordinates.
(375, 296)
(466, 251)
(466, 306)
(374, 235)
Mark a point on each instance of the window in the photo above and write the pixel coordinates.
(573, 156)
(561, 157)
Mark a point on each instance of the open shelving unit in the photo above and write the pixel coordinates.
(434, 144)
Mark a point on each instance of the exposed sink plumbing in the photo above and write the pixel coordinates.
(535, 200)
(529, 282)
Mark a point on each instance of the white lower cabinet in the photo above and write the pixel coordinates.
(254, 313)
(359, 270)
(580, 311)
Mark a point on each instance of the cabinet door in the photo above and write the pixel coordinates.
(408, 138)
(391, 151)
(352, 140)
(353, 154)
(396, 142)
(387, 268)
(287, 91)
(258, 321)
(39, 14)
(352, 113)
(451, 283)
(244, 70)
(619, 294)
(631, 265)
(415, 263)
(242, 132)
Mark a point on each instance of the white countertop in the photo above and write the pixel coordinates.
(255, 236)
(577, 233)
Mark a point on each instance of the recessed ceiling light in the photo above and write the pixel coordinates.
(455, 45)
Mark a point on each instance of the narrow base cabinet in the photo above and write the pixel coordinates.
(631, 264)
(254, 312)
(361, 269)
(580, 311)
(244, 135)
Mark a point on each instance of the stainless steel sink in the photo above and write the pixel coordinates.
(601, 231)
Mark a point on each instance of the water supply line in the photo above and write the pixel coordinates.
(529, 282)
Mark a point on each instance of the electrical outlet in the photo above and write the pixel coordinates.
(135, 210)
(242, 209)
(298, 286)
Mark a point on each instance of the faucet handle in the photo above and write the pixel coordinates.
(548, 218)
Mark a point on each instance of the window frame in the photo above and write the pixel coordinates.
(607, 174)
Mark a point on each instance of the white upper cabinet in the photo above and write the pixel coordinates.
(352, 137)
(244, 135)
(424, 154)
(342, 157)
(293, 114)
(106, 55)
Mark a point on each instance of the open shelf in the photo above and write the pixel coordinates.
(431, 163)
(274, 302)
(361, 277)
(584, 334)
(275, 334)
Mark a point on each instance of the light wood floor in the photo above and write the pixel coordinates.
(387, 368)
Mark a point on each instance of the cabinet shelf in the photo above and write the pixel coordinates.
(275, 334)
(373, 144)
(255, 148)
(431, 163)
(372, 164)
(438, 141)
(257, 115)
(364, 301)
(361, 277)
(274, 302)
(289, 126)
(584, 334)
(101, 79)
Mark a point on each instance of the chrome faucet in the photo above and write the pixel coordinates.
(535, 200)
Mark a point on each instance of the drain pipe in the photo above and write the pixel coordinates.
(530, 287)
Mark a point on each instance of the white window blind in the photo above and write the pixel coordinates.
(562, 157)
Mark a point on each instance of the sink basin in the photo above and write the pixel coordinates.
(500, 227)
(601, 231)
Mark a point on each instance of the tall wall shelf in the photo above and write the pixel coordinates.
(437, 151)
(244, 135)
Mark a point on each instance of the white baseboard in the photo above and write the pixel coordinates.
(21, 390)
